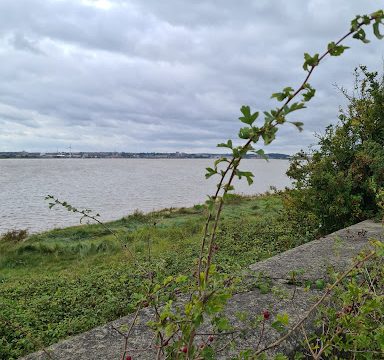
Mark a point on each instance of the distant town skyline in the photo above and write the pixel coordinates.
(166, 76)
(116, 154)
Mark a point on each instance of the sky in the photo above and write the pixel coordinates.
(170, 75)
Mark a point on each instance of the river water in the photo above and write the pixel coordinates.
(113, 187)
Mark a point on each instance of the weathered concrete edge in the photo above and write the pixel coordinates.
(105, 343)
(313, 260)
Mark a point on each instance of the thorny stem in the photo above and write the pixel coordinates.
(261, 334)
(315, 306)
(307, 342)
(129, 332)
(325, 347)
(372, 286)
(317, 355)
(238, 160)
(217, 217)
(209, 218)
(232, 167)
(190, 343)
(218, 334)
(94, 218)
(301, 87)
(159, 334)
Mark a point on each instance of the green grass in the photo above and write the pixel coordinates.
(65, 281)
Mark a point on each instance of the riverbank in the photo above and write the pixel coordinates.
(66, 281)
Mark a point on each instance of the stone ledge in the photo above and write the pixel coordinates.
(312, 261)
(312, 258)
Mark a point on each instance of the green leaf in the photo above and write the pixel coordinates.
(245, 133)
(287, 92)
(210, 203)
(248, 118)
(320, 284)
(294, 107)
(269, 135)
(278, 96)
(310, 93)
(255, 136)
(378, 15)
(181, 279)
(376, 30)
(247, 174)
(283, 318)
(235, 152)
(281, 322)
(288, 89)
(298, 124)
(170, 329)
(360, 35)
(355, 23)
(220, 160)
(210, 172)
(268, 116)
(240, 173)
(379, 248)
(278, 326)
(261, 153)
(222, 324)
(249, 180)
(336, 50)
(280, 119)
(310, 61)
(246, 110)
(227, 145)
(366, 20)
(227, 187)
(226, 197)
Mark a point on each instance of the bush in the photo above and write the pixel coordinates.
(341, 183)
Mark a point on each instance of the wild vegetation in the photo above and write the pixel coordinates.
(55, 284)
(342, 181)
(66, 281)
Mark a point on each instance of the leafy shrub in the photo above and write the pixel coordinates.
(351, 323)
(340, 183)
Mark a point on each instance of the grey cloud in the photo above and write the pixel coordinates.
(21, 42)
(147, 76)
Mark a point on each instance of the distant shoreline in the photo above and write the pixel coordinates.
(123, 155)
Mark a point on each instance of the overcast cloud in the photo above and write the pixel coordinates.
(171, 75)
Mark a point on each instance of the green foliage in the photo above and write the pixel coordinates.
(340, 183)
(310, 61)
(66, 281)
(352, 326)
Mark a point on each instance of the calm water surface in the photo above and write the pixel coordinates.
(112, 187)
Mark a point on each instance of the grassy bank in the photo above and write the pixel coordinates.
(63, 282)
